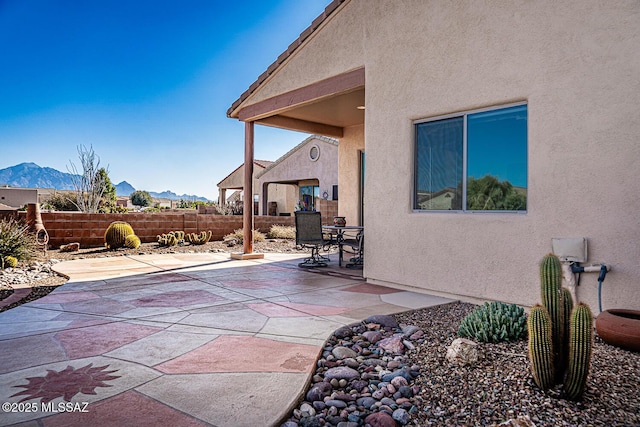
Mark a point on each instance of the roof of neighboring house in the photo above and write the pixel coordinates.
(262, 163)
(287, 53)
(4, 207)
(296, 148)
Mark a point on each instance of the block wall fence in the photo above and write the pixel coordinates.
(88, 229)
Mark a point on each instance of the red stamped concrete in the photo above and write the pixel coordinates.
(99, 339)
(126, 409)
(290, 309)
(244, 354)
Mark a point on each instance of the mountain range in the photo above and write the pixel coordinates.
(30, 175)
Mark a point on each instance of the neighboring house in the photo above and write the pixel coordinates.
(306, 174)
(524, 112)
(19, 197)
(235, 180)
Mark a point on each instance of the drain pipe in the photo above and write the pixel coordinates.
(602, 269)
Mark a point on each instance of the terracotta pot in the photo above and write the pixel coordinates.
(339, 221)
(620, 328)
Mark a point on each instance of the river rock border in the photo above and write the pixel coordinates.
(363, 377)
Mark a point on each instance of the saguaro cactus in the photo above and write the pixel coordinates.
(541, 347)
(553, 299)
(551, 358)
(580, 347)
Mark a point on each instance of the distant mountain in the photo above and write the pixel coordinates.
(173, 196)
(124, 189)
(30, 175)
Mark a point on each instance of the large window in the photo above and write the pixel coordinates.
(475, 161)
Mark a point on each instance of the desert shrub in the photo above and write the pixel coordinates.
(61, 202)
(282, 232)
(237, 235)
(495, 322)
(16, 240)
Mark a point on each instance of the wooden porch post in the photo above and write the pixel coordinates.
(247, 223)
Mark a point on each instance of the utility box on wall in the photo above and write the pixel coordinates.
(570, 248)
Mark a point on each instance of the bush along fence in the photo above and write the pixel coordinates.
(89, 229)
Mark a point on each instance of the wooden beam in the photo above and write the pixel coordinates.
(302, 126)
(247, 216)
(345, 82)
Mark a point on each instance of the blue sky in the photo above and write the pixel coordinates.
(147, 83)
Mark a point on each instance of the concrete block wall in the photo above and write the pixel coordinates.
(88, 229)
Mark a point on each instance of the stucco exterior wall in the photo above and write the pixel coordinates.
(297, 167)
(577, 65)
(18, 197)
(351, 144)
(285, 195)
(337, 48)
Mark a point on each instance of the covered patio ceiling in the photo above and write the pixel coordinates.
(324, 108)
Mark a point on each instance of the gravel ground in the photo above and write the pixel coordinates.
(499, 387)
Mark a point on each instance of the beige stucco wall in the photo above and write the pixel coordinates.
(337, 48)
(351, 144)
(297, 167)
(285, 195)
(577, 64)
(235, 180)
(18, 197)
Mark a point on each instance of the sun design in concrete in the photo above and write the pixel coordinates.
(66, 383)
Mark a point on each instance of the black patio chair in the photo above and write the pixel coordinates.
(353, 246)
(309, 235)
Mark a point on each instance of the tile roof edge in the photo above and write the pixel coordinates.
(295, 45)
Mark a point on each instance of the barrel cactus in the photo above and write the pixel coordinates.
(116, 234)
(132, 241)
(9, 262)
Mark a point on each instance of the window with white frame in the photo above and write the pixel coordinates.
(474, 161)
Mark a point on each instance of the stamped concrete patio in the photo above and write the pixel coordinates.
(180, 340)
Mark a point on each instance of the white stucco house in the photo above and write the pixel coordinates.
(489, 127)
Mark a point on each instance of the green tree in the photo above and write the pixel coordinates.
(108, 201)
(488, 193)
(141, 198)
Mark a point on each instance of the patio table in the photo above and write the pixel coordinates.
(339, 233)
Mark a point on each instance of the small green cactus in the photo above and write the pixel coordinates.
(168, 239)
(495, 322)
(116, 234)
(132, 241)
(199, 239)
(541, 347)
(9, 262)
(580, 347)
